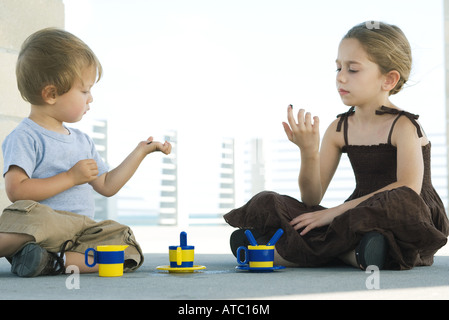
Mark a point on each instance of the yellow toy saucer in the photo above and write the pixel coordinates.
(181, 270)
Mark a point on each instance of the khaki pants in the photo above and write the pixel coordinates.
(51, 228)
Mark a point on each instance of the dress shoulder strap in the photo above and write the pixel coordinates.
(412, 117)
(344, 119)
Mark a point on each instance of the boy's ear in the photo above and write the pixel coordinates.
(391, 79)
(49, 94)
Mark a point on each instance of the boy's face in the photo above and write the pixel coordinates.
(72, 105)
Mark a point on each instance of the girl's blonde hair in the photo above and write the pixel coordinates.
(52, 57)
(387, 46)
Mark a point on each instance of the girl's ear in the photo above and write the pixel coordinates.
(49, 94)
(391, 79)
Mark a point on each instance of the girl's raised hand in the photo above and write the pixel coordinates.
(305, 134)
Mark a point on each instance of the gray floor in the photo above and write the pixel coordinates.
(221, 280)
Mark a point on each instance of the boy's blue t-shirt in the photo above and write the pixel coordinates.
(42, 153)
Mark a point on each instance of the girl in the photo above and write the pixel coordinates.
(394, 219)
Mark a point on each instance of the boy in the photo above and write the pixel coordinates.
(50, 169)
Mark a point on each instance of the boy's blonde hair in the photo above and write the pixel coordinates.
(52, 57)
(387, 46)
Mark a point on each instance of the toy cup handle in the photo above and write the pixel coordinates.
(179, 256)
(86, 257)
(246, 255)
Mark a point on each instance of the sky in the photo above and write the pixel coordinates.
(229, 68)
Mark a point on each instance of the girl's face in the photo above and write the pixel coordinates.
(359, 80)
(73, 104)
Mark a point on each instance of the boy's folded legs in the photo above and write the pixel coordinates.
(62, 231)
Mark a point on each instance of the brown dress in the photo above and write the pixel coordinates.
(415, 226)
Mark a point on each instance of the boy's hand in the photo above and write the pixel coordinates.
(151, 146)
(111, 182)
(83, 171)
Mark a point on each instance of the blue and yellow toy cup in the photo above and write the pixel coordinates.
(181, 256)
(110, 259)
(257, 257)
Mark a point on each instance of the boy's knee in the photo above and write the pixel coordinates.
(10, 243)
